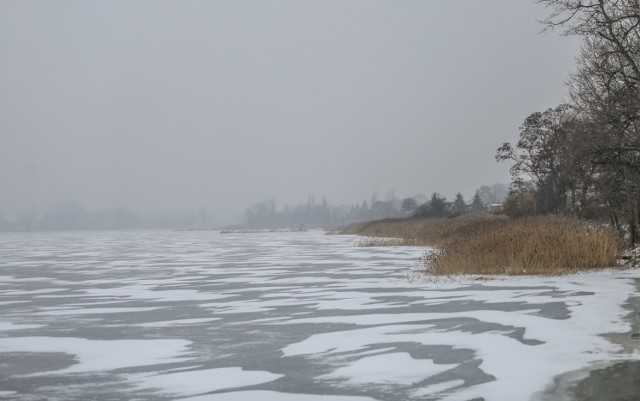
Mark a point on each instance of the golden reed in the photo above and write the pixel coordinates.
(489, 244)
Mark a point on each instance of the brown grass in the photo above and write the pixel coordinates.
(489, 244)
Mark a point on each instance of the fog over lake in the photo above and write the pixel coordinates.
(165, 105)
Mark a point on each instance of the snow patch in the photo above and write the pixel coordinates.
(100, 355)
(395, 368)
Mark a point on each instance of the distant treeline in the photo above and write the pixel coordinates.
(73, 216)
(485, 198)
(266, 214)
(68, 216)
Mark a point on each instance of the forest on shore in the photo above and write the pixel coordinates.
(582, 158)
(574, 198)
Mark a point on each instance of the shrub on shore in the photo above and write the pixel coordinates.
(489, 244)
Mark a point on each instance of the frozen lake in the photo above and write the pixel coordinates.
(290, 316)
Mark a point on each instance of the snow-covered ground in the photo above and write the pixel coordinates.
(289, 316)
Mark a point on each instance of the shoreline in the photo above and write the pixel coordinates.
(605, 380)
(490, 244)
(613, 379)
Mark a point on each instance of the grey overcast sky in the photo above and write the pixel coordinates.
(163, 105)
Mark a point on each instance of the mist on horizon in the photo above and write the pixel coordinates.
(160, 106)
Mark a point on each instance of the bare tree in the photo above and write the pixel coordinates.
(614, 22)
(544, 155)
(605, 90)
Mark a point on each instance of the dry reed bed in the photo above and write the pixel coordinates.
(489, 244)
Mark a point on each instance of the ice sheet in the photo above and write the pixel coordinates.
(6, 326)
(274, 396)
(311, 311)
(100, 355)
(95, 311)
(202, 381)
(393, 368)
(438, 388)
(178, 322)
